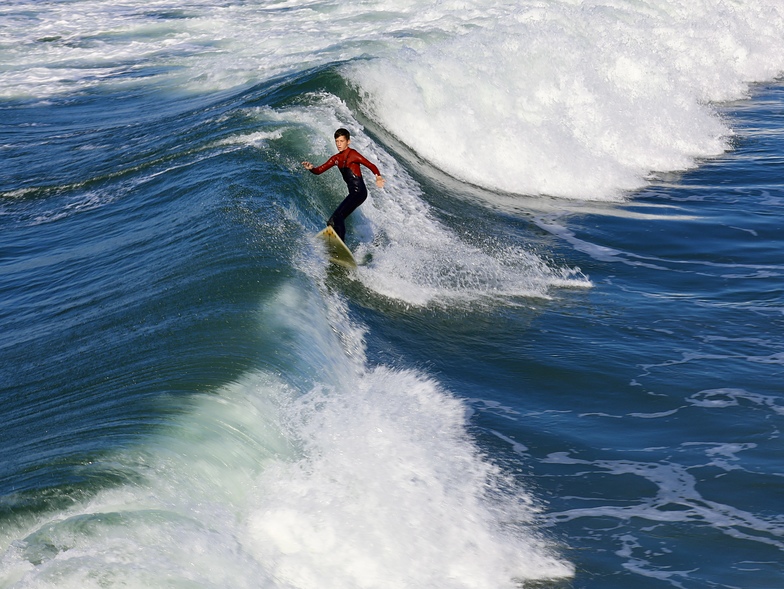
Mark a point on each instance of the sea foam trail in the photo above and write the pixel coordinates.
(580, 100)
(405, 253)
(344, 476)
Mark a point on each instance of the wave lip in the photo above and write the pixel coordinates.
(577, 101)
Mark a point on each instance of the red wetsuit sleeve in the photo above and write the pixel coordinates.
(326, 165)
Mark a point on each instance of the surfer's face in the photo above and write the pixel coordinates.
(342, 143)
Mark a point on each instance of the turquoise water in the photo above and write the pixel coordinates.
(559, 363)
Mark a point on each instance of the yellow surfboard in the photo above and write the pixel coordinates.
(338, 252)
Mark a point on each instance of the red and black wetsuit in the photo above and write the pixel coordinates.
(348, 162)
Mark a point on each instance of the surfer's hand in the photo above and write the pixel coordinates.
(380, 182)
(307, 165)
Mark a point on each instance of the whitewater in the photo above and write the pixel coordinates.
(610, 91)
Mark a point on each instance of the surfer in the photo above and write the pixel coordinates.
(348, 161)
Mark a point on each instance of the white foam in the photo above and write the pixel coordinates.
(200, 46)
(342, 476)
(730, 397)
(405, 253)
(580, 100)
(415, 259)
(390, 491)
(259, 139)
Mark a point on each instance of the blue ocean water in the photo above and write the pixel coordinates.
(558, 365)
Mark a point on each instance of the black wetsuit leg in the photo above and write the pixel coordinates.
(357, 194)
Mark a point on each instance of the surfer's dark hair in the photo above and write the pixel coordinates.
(342, 133)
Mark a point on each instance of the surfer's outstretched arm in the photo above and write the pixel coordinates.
(333, 161)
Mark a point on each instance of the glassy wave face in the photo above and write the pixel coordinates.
(557, 364)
